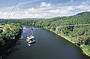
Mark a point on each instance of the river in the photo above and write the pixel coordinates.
(47, 46)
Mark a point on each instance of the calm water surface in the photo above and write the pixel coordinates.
(47, 46)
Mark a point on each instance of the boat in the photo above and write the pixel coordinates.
(31, 39)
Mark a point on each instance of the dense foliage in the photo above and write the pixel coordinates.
(9, 34)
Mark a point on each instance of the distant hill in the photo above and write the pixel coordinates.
(21, 19)
(84, 13)
(80, 18)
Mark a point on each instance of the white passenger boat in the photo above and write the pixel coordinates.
(31, 39)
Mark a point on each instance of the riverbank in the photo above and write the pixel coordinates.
(84, 48)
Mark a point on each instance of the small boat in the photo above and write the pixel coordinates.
(31, 39)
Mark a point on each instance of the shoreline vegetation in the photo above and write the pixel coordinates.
(68, 39)
(9, 35)
(75, 29)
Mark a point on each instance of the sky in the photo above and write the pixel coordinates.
(17, 9)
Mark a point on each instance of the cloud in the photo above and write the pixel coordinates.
(44, 4)
(59, 11)
(18, 5)
(25, 2)
(86, 2)
(44, 10)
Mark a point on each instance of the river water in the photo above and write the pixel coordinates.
(47, 46)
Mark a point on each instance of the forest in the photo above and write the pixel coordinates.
(9, 34)
(75, 29)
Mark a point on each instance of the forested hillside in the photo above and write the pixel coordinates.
(75, 28)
